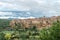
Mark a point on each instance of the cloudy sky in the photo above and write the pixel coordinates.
(44, 7)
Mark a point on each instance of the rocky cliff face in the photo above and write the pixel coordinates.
(38, 22)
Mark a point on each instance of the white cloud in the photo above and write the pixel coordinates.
(4, 17)
(6, 13)
(31, 17)
(46, 6)
(7, 6)
(40, 1)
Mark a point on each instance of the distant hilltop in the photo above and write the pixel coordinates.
(38, 22)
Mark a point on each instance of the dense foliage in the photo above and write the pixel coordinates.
(51, 33)
(4, 23)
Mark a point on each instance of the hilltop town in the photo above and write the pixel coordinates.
(38, 22)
